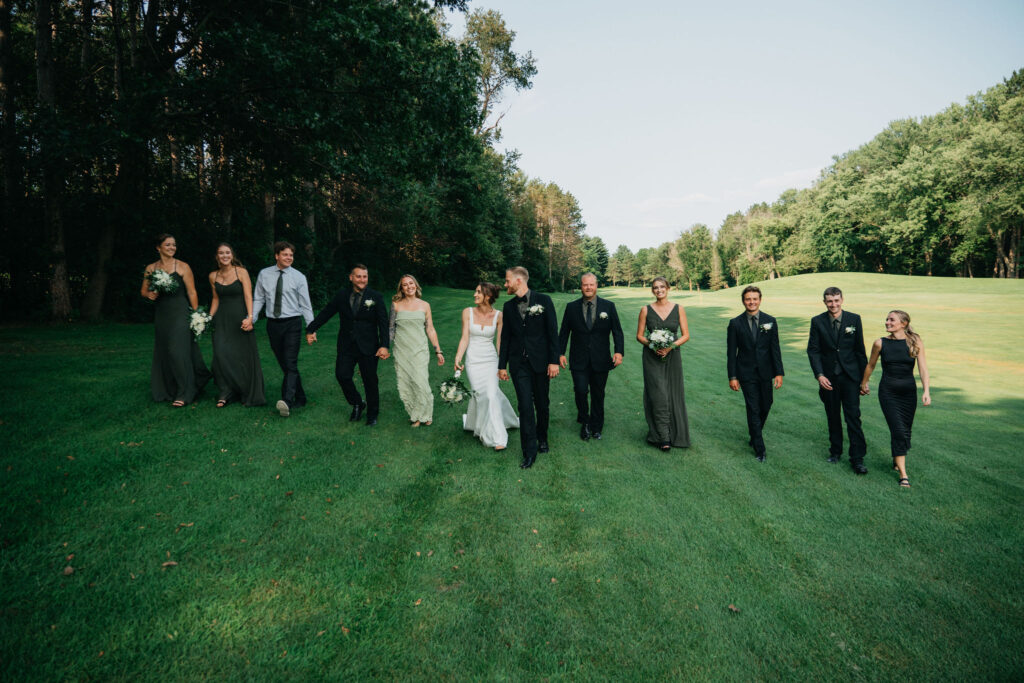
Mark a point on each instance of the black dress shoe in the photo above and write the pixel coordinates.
(357, 412)
(760, 457)
(584, 432)
(595, 435)
(371, 421)
(859, 468)
(542, 447)
(527, 462)
(834, 458)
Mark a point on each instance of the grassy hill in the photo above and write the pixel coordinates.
(311, 547)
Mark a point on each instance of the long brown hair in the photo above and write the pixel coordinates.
(913, 338)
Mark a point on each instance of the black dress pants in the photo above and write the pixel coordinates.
(344, 371)
(845, 398)
(590, 382)
(758, 398)
(285, 338)
(531, 393)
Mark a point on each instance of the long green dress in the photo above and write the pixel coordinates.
(178, 372)
(412, 359)
(236, 358)
(664, 399)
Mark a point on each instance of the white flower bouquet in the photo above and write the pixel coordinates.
(161, 282)
(198, 321)
(661, 339)
(454, 390)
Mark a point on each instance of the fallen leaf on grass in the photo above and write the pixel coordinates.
(554, 580)
(418, 601)
(288, 493)
(69, 570)
(344, 631)
(534, 531)
(429, 553)
(417, 553)
(320, 633)
(734, 609)
(169, 563)
(70, 557)
(71, 457)
(380, 464)
(460, 551)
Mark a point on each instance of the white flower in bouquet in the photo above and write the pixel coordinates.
(536, 309)
(454, 391)
(198, 321)
(161, 282)
(661, 339)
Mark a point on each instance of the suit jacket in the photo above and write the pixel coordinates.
(824, 350)
(752, 359)
(589, 348)
(364, 331)
(533, 338)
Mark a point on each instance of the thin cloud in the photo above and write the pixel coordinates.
(662, 203)
(798, 179)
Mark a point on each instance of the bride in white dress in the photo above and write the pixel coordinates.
(489, 414)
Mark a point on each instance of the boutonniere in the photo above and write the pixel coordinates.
(369, 303)
(851, 329)
(536, 309)
(603, 316)
(764, 327)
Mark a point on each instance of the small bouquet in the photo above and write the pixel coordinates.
(454, 390)
(161, 282)
(198, 321)
(661, 339)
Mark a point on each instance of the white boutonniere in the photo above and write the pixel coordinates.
(369, 303)
(536, 309)
(603, 316)
(851, 329)
(766, 326)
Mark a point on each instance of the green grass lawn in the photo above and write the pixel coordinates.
(310, 547)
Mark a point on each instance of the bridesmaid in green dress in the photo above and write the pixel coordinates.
(178, 372)
(236, 359)
(411, 327)
(664, 398)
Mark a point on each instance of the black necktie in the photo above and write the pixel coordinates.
(590, 315)
(354, 299)
(753, 327)
(835, 330)
(278, 293)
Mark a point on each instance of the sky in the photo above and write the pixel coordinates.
(659, 114)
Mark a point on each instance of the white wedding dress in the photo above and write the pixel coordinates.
(489, 414)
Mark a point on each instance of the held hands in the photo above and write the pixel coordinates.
(562, 362)
(247, 325)
(864, 389)
(503, 375)
(825, 384)
(382, 353)
(310, 338)
(616, 360)
(553, 371)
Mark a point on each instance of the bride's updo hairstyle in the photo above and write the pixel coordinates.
(489, 291)
(913, 338)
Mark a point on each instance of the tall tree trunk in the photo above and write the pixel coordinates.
(53, 166)
(10, 157)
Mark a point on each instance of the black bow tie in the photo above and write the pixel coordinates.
(520, 299)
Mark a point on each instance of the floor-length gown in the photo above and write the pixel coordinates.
(236, 358)
(664, 399)
(897, 392)
(178, 372)
(489, 414)
(412, 360)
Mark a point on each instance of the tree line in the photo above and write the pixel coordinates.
(939, 195)
(360, 131)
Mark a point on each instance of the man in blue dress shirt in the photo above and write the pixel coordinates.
(282, 294)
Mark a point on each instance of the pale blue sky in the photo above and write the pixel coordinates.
(657, 115)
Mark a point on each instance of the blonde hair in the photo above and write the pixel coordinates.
(400, 295)
(913, 338)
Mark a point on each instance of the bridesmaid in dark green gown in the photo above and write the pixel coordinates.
(664, 398)
(178, 373)
(236, 358)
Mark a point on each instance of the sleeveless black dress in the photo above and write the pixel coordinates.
(236, 358)
(897, 392)
(178, 372)
(664, 397)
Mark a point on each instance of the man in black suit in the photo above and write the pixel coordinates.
(529, 348)
(363, 339)
(589, 320)
(835, 348)
(755, 363)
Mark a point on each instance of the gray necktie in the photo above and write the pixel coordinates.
(590, 315)
(278, 293)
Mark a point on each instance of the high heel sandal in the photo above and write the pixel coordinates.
(178, 404)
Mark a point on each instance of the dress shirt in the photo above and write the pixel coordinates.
(294, 296)
(523, 303)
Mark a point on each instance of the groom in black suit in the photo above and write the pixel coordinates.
(363, 339)
(836, 351)
(529, 348)
(755, 363)
(589, 320)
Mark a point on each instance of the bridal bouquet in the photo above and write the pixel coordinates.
(454, 390)
(661, 339)
(198, 321)
(161, 282)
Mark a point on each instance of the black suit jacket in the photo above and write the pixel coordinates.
(363, 332)
(751, 359)
(589, 348)
(534, 339)
(823, 350)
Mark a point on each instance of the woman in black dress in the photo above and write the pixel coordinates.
(664, 398)
(897, 392)
(178, 373)
(236, 358)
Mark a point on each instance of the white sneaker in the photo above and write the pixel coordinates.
(282, 408)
